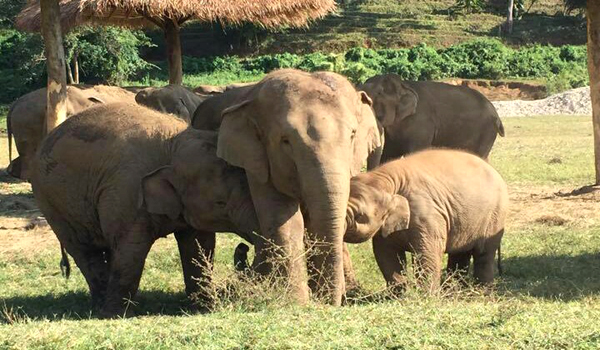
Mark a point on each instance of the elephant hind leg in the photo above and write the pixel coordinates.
(92, 261)
(458, 264)
(127, 259)
(484, 259)
(483, 266)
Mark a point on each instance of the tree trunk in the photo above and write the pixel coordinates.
(56, 111)
(509, 17)
(593, 49)
(173, 43)
(70, 74)
(76, 67)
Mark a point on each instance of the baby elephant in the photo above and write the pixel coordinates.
(428, 203)
(114, 178)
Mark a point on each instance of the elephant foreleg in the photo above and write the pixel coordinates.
(280, 247)
(196, 250)
(349, 275)
(391, 261)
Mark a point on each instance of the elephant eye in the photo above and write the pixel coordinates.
(285, 140)
(353, 134)
(221, 204)
(361, 218)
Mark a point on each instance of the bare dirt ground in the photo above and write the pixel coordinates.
(553, 206)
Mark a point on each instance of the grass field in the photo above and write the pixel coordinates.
(548, 297)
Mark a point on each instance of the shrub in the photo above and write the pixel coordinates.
(22, 64)
(108, 54)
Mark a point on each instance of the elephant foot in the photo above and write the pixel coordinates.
(112, 310)
(105, 314)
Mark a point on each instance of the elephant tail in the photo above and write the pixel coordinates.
(9, 131)
(65, 265)
(500, 270)
(498, 124)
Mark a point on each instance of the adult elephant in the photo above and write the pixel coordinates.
(174, 99)
(420, 114)
(300, 137)
(208, 114)
(25, 119)
(109, 195)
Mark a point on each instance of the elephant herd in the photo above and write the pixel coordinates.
(278, 162)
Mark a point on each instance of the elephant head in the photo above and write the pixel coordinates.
(393, 100)
(203, 189)
(174, 99)
(371, 210)
(306, 135)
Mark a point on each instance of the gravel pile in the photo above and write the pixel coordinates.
(576, 101)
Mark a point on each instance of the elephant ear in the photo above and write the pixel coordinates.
(182, 111)
(396, 101)
(367, 137)
(159, 195)
(398, 217)
(239, 143)
(407, 100)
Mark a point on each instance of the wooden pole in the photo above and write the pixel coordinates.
(173, 43)
(593, 50)
(56, 111)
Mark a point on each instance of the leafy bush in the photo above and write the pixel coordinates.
(22, 64)
(107, 54)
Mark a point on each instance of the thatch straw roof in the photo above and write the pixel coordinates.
(143, 13)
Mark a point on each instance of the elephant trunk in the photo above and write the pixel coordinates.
(326, 198)
(244, 218)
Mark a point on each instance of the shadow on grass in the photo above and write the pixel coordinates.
(561, 277)
(77, 306)
(535, 28)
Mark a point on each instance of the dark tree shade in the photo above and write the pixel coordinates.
(575, 4)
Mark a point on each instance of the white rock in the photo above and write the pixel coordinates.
(571, 102)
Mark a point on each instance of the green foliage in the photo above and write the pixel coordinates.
(8, 10)
(107, 54)
(22, 64)
(563, 67)
(467, 6)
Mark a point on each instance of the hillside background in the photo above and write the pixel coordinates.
(387, 24)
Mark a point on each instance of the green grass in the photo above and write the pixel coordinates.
(548, 297)
(546, 151)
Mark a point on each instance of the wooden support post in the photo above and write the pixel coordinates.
(56, 111)
(173, 43)
(593, 50)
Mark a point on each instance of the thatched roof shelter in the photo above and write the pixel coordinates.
(171, 14)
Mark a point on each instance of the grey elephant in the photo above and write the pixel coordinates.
(114, 178)
(428, 203)
(25, 119)
(300, 137)
(174, 99)
(208, 114)
(420, 114)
